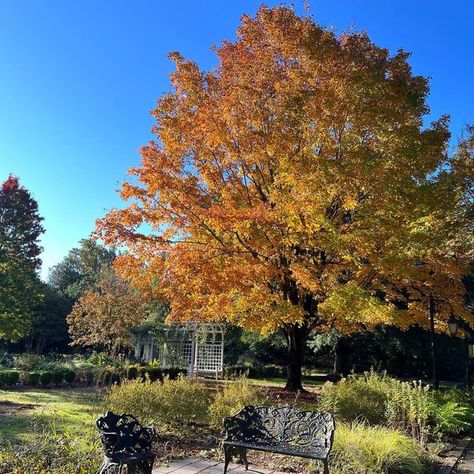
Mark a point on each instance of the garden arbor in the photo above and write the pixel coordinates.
(196, 347)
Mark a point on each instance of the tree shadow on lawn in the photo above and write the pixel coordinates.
(29, 412)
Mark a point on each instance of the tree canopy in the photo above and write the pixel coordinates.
(20, 230)
(295, 187)
(82, 269)
(105, 317)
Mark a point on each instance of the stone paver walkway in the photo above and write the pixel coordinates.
(195, 465)
(466, 463)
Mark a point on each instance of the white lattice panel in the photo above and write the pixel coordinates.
(209, 358)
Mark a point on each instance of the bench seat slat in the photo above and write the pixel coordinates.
(282, 448)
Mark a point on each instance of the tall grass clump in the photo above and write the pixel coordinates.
(53, 452)
(171, 403)
(375, 450)
(381, 400)
(235, 395)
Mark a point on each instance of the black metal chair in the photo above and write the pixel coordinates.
(283, 430)
(126, 443)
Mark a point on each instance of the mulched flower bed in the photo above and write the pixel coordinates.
(200, 441)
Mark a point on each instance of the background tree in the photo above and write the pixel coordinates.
(82, 269)
(20, 229)
(295, 187)
(48, 331)
(104, 317)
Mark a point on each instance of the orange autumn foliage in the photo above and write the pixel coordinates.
(295, 187)
(104, 317)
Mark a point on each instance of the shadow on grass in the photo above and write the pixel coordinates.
(59, 410)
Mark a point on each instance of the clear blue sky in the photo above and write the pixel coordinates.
(79, 78)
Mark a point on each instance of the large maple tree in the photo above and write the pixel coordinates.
(294, 187)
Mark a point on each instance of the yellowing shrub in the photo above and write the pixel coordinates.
(172, 403)
(235, 395)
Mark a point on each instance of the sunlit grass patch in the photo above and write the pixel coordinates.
(70, 409)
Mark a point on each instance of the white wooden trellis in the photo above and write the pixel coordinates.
(196, 347)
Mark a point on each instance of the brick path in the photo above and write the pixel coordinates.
(195, 465)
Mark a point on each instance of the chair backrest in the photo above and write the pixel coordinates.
(286, 425)
(123, 434)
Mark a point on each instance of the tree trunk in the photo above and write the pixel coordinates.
(296, 339)
(341, 358)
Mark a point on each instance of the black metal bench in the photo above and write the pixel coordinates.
(126, 443)
(284, 430)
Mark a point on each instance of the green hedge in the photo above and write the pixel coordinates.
(257, 371)
(9, 378)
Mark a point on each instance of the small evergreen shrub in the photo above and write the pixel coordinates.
(132, 372)
(46, 378)
(109, 375)
(13, 378)
(34, 378)
(69, 376)
(3, 379)
(154, 373)
(174, 373)
(235, 395)
(57, 377)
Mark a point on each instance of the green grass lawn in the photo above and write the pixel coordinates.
(65, 409)
(281, 382)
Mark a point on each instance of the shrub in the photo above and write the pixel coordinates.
(174, 373)
(69, 375)
(380, 400)
(46, 378)
(57, 377)
(109, 375)
(132, 372)
(9, 378)
(13, 378)
(6, 360)
(174, 403)
(29, 362)
(235, 395)
(232, 371)
(3, 379)
(88, 375)
(34, 378)
(374, 450)
(154, 373)
(356, 398)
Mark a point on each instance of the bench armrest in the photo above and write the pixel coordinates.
(109, 441)
(231, 427)
(148, 434)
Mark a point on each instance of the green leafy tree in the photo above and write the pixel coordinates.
(20, 230)
(49, 328)
(82, 269)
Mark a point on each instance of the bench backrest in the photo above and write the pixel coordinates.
(123, 434)
(282, 424)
